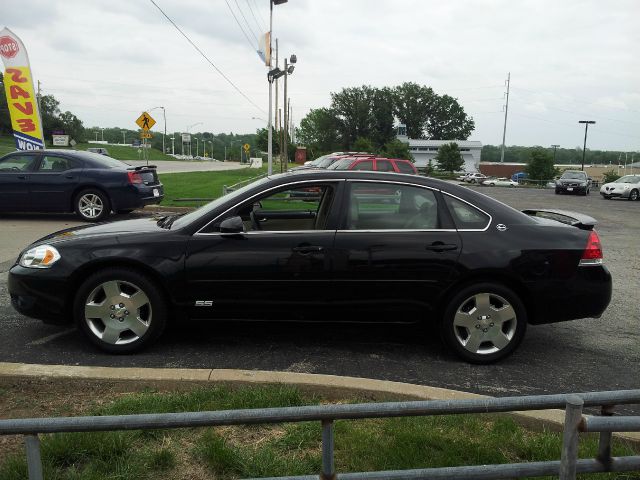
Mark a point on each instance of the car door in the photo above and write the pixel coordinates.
(278, 268)
(53, 182)
(15, 170)
(394, 253)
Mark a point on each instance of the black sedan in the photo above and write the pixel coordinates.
(366, 247)
(573, 181)
(89, 184)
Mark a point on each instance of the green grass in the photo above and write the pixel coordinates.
(121, 152)
(284, 449)
(201, 184)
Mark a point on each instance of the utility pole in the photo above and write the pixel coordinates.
(506, 110)
(277, 116)
(554, 153)
(124, 140)
(285, 158)
(173, 150)
(586, 129)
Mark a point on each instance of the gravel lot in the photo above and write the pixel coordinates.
(593, 354)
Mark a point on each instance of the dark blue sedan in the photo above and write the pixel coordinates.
(89, 184)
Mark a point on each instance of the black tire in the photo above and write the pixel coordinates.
(499, 300)
(92, 205)
(125, 211)
(149, 319)
(606, 197)
(633, 195)
(557, 192)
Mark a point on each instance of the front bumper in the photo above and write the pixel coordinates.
(615, 193)
(41, 294)
(571, 188)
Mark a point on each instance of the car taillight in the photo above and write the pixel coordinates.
(134, 177)
(592, 254)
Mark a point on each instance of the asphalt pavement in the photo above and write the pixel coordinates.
(582, 355)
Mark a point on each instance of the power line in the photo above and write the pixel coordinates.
(260, 28)
(254, 47)
(247, 23)
(260, 15)
(207, 58)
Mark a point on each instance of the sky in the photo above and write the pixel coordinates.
(569, 60)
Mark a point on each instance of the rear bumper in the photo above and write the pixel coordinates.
(136, 196)
(587, 295)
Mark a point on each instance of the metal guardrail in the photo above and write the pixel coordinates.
(230, 188)
(567, 467)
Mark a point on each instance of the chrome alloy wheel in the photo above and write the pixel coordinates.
(90, 205)
(485, 323)
(118, 312)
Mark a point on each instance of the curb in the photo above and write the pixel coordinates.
(317, 383)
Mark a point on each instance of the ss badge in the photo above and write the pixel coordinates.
(204, 303)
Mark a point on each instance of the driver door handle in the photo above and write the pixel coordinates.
(307, 249)
(441, 247)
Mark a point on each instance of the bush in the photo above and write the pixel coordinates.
(609, 176)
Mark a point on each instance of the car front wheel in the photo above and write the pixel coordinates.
(92, 205)
(120, 310)
(484, 323)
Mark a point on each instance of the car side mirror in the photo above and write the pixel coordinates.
(232, 225)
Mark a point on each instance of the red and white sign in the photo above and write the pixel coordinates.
(9, 47)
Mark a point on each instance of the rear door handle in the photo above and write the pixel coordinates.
(22, 177)
(70, 176)
(307, 249)
(441, 247)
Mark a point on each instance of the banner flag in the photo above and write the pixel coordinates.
(21, 99)
(264, 48)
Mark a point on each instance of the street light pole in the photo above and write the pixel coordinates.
(173, 149)
(124, 140)
(164, 116)
(586, 129)
(554, 153)
(270, 81)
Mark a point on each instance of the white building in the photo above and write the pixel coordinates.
(425, 150)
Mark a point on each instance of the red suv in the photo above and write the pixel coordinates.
(397, 165)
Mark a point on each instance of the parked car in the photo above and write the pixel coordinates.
(518, 176)
(370, 247)
(100, 150)
(475, 178)
(397, 165)
(88, 183)
(573, 181)
(327, 160)
(499, 182)
(463, 176)
(334, 154)
(625, 187)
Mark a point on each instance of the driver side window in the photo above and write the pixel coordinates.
(17, 163)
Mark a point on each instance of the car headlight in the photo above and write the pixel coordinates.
(42, 256)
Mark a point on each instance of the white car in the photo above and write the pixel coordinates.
(625, 187)
(475, 178)
(500, 182)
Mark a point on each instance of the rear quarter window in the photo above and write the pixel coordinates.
(466, 216)
(405, 167)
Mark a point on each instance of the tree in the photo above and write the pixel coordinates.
(412, 104)
(447, 120)
(396, 149)
(362, 145)
(5, 119)
(319, 131)
(449, 158)
(540, 165)
(352, 107)
(72, 126)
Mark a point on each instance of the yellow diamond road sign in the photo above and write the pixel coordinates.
(246, 147)
(145, 121)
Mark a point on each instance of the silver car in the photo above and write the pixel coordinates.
(625, 187)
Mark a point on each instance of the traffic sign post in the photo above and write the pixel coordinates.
(246, 148)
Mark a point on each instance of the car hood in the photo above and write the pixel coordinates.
(122, 227)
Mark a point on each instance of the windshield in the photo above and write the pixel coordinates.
(325, 162)
(341, 164)
(574, 175)
(628, 179)
(204, 210)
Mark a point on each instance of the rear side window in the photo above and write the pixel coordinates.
(384, 166)
(363, 165)
(465, 216)
(51, 163)
(405, 167)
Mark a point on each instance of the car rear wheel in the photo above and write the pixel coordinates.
(92, 205)
(120, 310)
(484, 323)
(633, 195)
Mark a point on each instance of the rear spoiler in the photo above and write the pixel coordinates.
(142, 167)
(583, 222)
